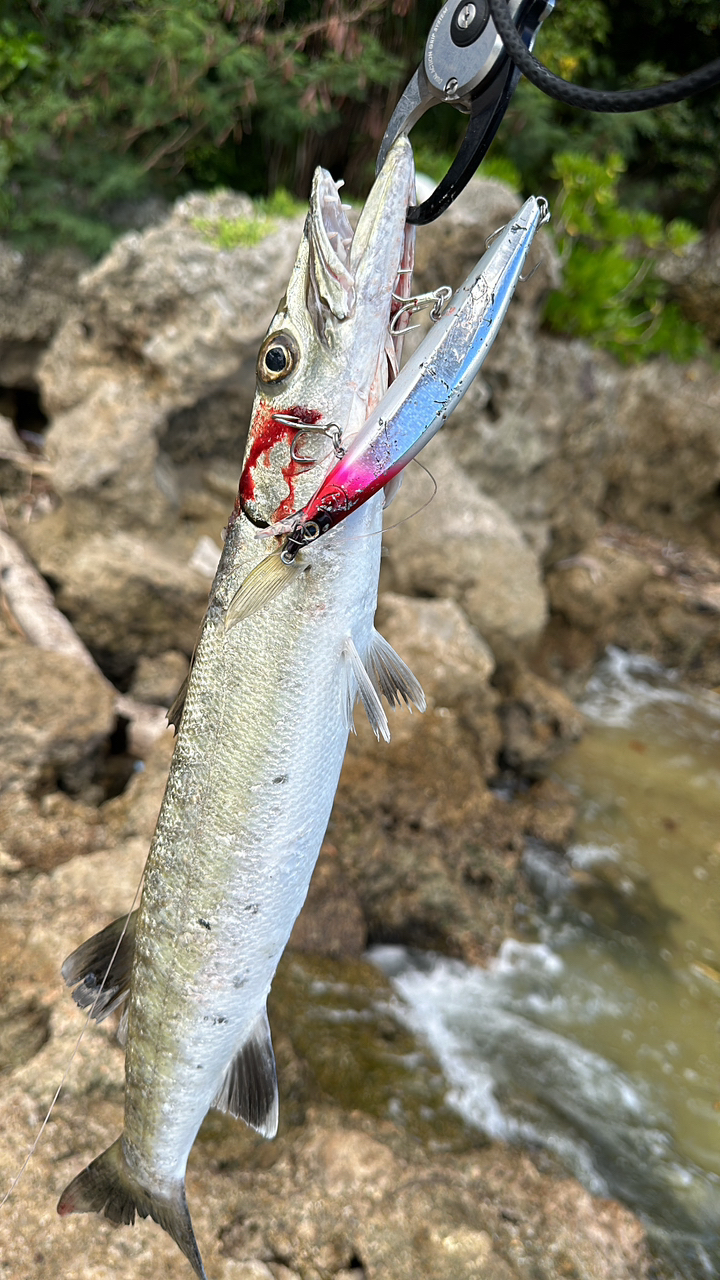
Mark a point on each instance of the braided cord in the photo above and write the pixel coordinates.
(604, 100)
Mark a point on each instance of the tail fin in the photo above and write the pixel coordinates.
(108, 1186)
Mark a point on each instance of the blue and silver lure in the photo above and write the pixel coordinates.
(427, 389)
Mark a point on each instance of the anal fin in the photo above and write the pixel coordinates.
(249, 1088)
(105, 960)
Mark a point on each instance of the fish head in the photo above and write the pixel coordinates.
(328, 355)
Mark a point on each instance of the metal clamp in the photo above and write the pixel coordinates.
(465, 65)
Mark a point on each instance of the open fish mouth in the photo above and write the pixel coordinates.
(329, 354)
(343, 260)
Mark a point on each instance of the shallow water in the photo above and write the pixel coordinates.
(596, 1032)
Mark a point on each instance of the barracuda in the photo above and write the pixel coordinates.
(263, 727)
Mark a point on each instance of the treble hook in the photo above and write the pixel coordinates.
(494, 235)
(437, 300)
(529, 276)
(331, 431)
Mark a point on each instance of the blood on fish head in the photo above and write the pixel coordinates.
(328, 354)
(271, 466)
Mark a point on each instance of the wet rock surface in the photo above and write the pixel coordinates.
(371, 1176)
(646, 594)
(577, 507)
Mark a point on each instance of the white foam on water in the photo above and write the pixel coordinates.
(585, 856)
(511, 1038)
(625, 683)
(514, 1075)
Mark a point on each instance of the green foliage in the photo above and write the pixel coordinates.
(611, 293)
(104, 103)
(17, 53)
(436, 164)
(670, 154)
(234, 233)
(101, 104)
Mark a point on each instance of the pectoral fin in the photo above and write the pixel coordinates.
(392, 489)
(266, 581)
(105, 960)
(249, 1088)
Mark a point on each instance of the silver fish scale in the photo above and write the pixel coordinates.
(234, 847)
(261, 739)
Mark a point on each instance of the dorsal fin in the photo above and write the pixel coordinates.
(104, 960)
(174, 715)
(249, 1088)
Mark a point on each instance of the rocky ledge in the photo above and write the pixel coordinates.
(576, 506)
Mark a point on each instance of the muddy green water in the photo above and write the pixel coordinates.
(650, 817)
(596, 1033)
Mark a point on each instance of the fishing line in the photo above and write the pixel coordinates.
(377, 533)
(425, 504)
(73, 1055)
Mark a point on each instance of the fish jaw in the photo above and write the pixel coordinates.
(328, 355)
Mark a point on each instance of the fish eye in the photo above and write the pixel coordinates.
(278, 356)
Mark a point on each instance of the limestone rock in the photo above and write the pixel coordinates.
(663, 470)
(42, 833)
(592, 588)
(644, 593)
(181, 301)
(452, 662)
(167, 326)
(536, 433)
(449, 658)
(466, 548)
(563, 437)
(538, 719)
(125, 595)
(56, 713)
(157, 680)
(36, 294)
(105, 449)
(695, 278)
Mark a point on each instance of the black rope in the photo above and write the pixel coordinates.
(596, 99)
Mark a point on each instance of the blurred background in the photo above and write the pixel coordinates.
(107, 110)
(497, 1022)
